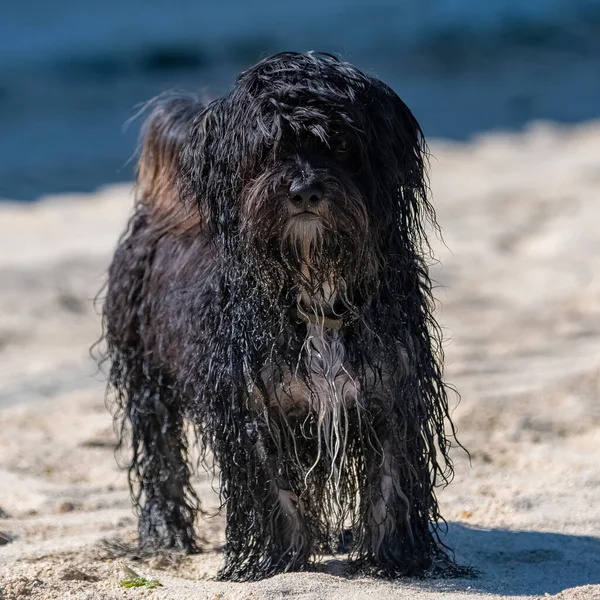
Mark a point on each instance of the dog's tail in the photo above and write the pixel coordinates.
(162, 139)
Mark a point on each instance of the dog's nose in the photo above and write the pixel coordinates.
(305, 195)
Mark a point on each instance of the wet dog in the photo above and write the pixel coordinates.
(272, 291)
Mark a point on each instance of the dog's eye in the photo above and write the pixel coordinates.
(342, 146)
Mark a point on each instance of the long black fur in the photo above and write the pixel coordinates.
(203, 324)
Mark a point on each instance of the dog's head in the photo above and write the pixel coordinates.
(308, 164)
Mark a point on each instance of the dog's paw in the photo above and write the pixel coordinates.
(262, 568)
(439, 567)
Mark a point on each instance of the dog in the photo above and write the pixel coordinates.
(272, 291)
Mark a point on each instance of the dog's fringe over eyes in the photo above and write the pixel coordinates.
(272, 290)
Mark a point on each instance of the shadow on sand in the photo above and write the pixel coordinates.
(510, 563)
(514, 563)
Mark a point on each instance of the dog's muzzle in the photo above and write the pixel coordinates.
(306, 197)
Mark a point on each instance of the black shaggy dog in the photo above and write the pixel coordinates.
(271, 289)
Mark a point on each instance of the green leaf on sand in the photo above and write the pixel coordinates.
(141, 582)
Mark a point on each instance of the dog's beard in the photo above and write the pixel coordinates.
(324, 248)
(303, 239)
(321, 254)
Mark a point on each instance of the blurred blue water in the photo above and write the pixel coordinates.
(73, 72)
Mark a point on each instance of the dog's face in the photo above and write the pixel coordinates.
(308, 162)
(306, 199)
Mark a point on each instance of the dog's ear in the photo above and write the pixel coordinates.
(163, 137)
(398, 159)
(213, 164)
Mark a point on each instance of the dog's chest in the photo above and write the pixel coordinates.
(329, 376)
(320, 380)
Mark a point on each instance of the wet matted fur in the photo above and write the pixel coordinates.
(272, 290)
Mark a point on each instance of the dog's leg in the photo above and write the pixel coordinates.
(290, 532)
(266, 529)
(390, 543)
(387, 531)
(148, 413)
(159, 470)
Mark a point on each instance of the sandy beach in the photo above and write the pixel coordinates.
(519, 275)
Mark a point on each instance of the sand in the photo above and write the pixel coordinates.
(520, 303)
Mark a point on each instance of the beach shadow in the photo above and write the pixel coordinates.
(507, 563)
(522, 562)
